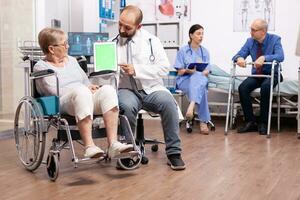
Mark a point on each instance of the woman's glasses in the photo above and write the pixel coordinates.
(65, 44)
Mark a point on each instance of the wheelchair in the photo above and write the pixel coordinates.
(35, 115)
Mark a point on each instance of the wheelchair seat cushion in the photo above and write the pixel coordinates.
(49, 105)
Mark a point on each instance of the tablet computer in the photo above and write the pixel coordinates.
(199, 66)
(105, 56)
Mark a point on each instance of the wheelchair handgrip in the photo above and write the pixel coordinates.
(42, 73)
(25, 58)
(121, 111)
(101, 73)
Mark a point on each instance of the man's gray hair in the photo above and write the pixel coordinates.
(264, 25)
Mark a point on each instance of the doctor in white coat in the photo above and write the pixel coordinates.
(143, 63)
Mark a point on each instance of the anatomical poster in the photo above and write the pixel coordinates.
(245, 11)
(171, 10)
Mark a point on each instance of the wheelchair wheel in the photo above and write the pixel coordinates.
(53, 166)
(129, 163)
(28, 132)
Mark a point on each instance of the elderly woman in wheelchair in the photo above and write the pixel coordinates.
(65, 97)
(78, 97)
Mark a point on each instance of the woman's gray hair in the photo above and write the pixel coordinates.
(49, 36)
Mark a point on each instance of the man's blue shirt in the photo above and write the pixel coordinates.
(271, 48)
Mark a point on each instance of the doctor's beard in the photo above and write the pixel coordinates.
(127, 35)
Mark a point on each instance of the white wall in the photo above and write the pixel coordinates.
(76, 15)
(91, 16)
(217, 18)
(215, 15)
(46, 10)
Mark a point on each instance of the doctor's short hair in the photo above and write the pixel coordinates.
(49, 36)
(194, 28)
(137, 11)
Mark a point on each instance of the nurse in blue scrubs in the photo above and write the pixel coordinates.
(194, 83)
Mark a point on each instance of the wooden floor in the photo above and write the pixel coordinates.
(239, 166)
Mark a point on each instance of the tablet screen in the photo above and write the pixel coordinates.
(105, 56)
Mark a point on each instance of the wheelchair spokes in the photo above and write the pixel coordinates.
(53, 166)
(29, 135)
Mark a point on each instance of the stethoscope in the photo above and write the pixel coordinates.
(201, 51)
(151, 57)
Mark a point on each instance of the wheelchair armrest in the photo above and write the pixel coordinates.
(40, 74)
(104, 72)
(106, 77)
(82, 61)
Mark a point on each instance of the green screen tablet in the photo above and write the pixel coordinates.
(105, 56)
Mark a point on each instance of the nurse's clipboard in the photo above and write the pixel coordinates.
(199, 66)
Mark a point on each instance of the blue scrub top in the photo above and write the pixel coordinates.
(187, 55)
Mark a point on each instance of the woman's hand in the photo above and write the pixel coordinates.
(186, 71)
(93, 88)
(190, 71)
(205, 72)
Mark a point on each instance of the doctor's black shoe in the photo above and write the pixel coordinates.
(263, 129)
(249, 127)
(175, 162)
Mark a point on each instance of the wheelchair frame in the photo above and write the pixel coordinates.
(31, 127)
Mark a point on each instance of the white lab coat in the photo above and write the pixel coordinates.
(148, 73)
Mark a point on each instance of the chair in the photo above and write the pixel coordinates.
(188, 122)
(140, 137)
(231, 106)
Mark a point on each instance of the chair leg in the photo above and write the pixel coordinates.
(141, 141)
(140, 138)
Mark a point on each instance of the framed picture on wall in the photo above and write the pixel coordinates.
(246, 11)
(172, 10)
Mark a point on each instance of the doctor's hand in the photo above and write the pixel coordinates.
(127, 69)
(241, 62)
(259, 62)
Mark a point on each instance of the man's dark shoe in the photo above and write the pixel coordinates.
(249, 127)
(175, 161)
(263, 129)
